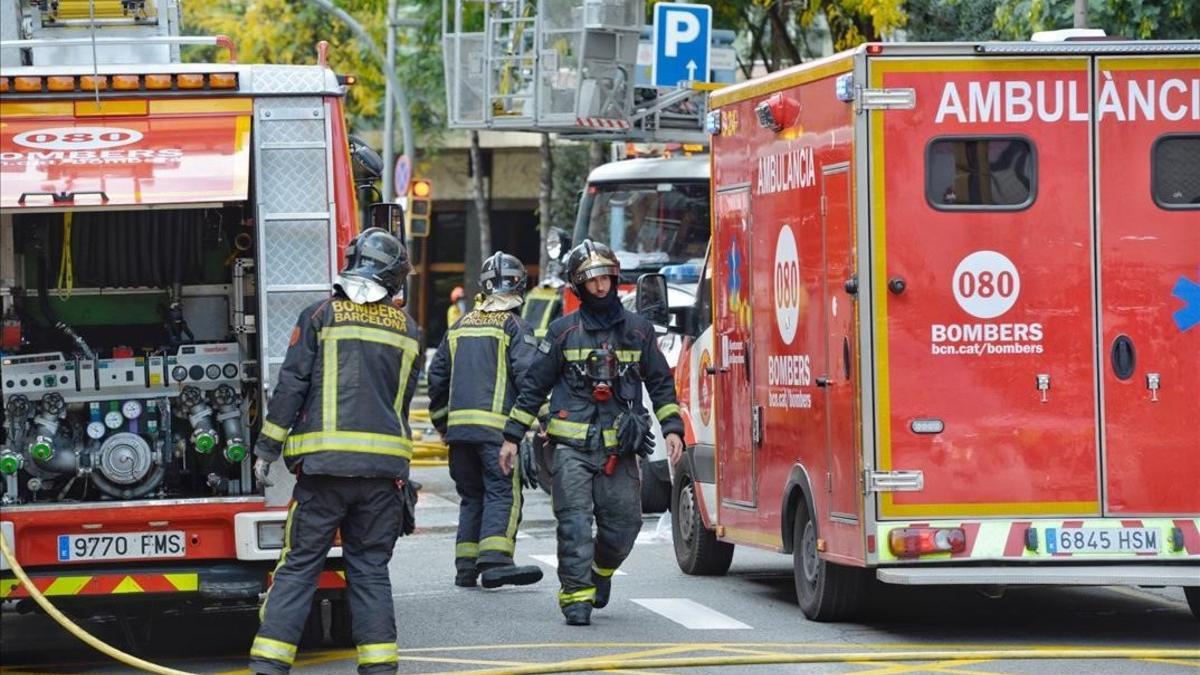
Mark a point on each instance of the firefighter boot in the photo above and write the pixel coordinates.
(603, 589)
(578, 614)
(510, 575)
(465, 578)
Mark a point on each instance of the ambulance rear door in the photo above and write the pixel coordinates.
(982, 278)
(1148, 184)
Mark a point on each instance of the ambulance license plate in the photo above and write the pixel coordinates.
(1102, 540)
(170, 544)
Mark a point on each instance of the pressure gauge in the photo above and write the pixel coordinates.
(95, 430)
(132, 409)
(113, 419)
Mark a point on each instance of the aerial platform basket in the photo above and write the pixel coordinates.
(565, 66)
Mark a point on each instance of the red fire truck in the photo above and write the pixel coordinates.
(188, 211)
(949, 330)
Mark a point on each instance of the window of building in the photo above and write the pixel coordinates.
(1175, 172)
(976, 173)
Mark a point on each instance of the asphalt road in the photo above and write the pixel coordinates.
(659, 613)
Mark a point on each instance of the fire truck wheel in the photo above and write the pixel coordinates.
(697, 549)
(314, 626)
(1193, 598)
(825, 591)
(340, 625)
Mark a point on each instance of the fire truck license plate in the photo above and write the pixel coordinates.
(72, 547)
(1102, 540)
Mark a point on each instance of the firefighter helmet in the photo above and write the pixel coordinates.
(377, 255)
(503, 273)
(589, 260)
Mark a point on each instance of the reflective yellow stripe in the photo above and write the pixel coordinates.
(478, 331)
(501, 384)
(329, 386)
(603, 571)
(184, 582)
(348, 441)
(501, 544)
(273, 649)
(406, 363)
(565, 429)
(439, 413)
(287, 546)
(378, 652)
(666, 411)
(483, 418)
(274, 431)
(547, 313)
(610, 438)
(585, 595)
(514, 512)
(521, 416)
(66, 585)
(466, 549)
(623, 355)
(387, 337)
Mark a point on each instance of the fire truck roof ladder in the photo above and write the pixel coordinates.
(563, 66)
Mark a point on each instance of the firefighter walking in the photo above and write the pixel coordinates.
(339, 414)
(593, 363)
(471, 390)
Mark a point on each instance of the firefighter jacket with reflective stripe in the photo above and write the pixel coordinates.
(341, 405)
(472, 379)
(542, 306)
(575, 414)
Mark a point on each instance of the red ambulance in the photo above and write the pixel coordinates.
(949, 332)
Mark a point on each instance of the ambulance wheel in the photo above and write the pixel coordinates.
(825, 591)
(1192, 593)
(697, 549)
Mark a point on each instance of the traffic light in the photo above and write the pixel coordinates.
(420, 207)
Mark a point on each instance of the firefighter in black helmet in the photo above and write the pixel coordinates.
(339, 417)
(596, 361)
(471, 390)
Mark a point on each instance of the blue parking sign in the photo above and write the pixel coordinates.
(681, 43)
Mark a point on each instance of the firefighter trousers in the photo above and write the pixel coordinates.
(582, 490)
(368, 512)
(489, 506)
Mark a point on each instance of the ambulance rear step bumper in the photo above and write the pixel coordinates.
(1056, 575)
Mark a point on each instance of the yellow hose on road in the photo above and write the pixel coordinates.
(73, 628)
(618, 663)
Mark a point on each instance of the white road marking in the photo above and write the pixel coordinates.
(690, 614)
(432, 501)
(552, 561)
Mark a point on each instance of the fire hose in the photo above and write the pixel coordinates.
(72, 627)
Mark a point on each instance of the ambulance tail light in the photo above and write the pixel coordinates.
(912, 542)
(92, 82)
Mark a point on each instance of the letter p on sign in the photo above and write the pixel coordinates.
(681, 27)
(682, 34)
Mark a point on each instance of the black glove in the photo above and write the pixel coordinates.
(408, 506)
(528, 462)
(633, 432)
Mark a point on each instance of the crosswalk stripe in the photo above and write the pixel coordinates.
(552, 561)
(432, 501)
(691, 614)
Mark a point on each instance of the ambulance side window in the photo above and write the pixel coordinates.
(980, 173)
(1175, 171)
(704, 317)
